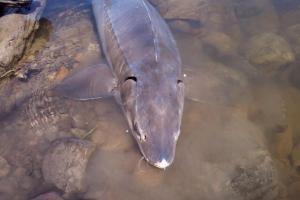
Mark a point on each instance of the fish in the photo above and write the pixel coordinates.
(143, 73)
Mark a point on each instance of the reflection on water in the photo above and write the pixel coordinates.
(240, 130)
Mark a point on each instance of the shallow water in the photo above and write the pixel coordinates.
(240, 129)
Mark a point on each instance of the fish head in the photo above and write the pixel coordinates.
(153, 108)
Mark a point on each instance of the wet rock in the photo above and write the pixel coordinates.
(269, 50)
(186, 26)
(172, 9)
(65, 163)
(197, 14)
(48, 196)
(61, 74)
(4, 167)
(296, 157)
(220, 44)
(257, 180)
(293, 34)
(17, 31)
(233, 161)
(256, 16)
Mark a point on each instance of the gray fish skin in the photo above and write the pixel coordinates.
(143, 56)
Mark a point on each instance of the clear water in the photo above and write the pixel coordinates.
(240, 129)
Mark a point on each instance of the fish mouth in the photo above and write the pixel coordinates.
(163, 164)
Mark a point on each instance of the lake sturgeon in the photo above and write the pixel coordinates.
(144, 74)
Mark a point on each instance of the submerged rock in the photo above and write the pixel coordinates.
(186, 26)
(198, 16)
(4, 167)
(220, 44)
(269, 49)
(256, 16)
(258, 180)
(189, 9)
(65, 163)
(17, 31)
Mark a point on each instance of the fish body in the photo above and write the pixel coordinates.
(144, 60)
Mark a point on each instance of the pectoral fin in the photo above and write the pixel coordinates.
(88, 83)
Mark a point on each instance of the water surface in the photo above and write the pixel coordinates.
(240, 129)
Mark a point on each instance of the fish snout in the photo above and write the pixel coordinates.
(158, 159)
(163, 164)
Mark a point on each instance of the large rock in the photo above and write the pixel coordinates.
(65, 163)
(198, 16)
(233, 156)
(220, 44)
(269, 49)
(17, 30)
(258, 180)
(256, 16)
(189, 9)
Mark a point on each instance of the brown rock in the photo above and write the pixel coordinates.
(256, 16)
(258, 180)
(65, 163)
(205, 14)
(189, 9)
(62, 73)
(219, 43)
(269, 50)
(187, 26)
(16, 32)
